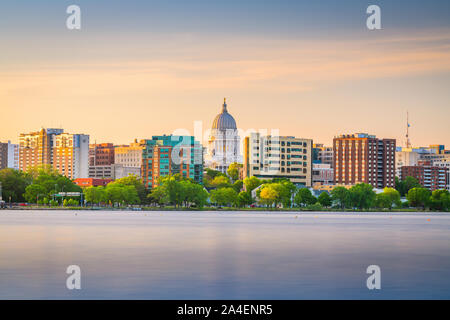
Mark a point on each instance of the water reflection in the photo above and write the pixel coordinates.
(227, 255)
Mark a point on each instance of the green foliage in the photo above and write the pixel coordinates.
(224, 197)
(33, 192)
(53, 203)
(403, 186)
(238, 185)
(45, 181)
(233, 170)
(440, 200)
(341, 196)
(418, 197)
(179, 192)
(121, 194)
(220, 182)
(70, 203)
(210, 175)
(13, 184)
(135, 181)
(324, 199)
(304, 197)
(362, 196)
(251, 183)
(314, 207)
(245, 199)
(388, 198)
(275, 193)
(268, 195)
(95, 195)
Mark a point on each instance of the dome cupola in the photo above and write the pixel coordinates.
(224, 120)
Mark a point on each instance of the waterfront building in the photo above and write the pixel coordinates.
(71, 155)
(430, 177)
(322, 154)
(323, 173)
(268, 157)
(364, 158)
(129, 155)
(168, 155)
(36, 148)
(224, 142)
(101, 154)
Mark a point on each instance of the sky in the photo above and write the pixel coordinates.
(309, 69)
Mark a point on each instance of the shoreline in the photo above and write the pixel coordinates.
(290, 210)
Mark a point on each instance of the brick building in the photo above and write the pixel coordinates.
(364, 158)
(432, 178)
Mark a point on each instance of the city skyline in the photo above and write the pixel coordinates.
(309, 70)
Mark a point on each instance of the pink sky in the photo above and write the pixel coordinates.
(117, 89)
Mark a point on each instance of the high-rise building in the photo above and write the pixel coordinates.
(224, 142)
(430, 177)
(71, 155)
(129, 155)
(168, 155)
(101, 154)
(36, 148)
(268, 157)
(364, 158)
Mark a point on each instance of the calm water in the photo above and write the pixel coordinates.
(227, 255)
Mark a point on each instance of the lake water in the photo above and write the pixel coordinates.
(223, 255)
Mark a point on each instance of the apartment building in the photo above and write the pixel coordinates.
(431, 177)
(268, 157)
(36, 148)
(70, 155)
(364, 158)
(168, 155)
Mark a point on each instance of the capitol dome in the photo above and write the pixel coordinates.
(224, 120)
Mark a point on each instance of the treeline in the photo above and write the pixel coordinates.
(37, 185)
(40, 185)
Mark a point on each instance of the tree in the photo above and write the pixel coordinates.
(237, 185)
(33, 192)
(220, 182)
(418, 197)
(268, 195)
(245, 198)
(362, 196)
(199, 195)
(158, 196)
(233, 170)
(324, 199)
(251, 183)
(403, 186)
(440, 200)
(135, 181)
(224, 196)
(13, 184)
(304, 197)
(95, 194)
(388, 198)
(341, 196)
